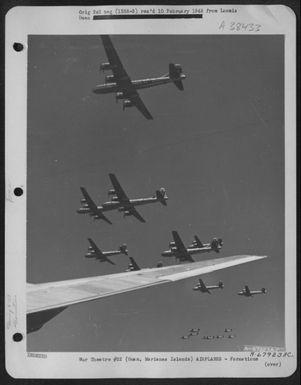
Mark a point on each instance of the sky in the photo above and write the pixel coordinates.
(217, 148)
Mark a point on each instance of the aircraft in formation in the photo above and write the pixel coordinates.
(126, 89)
(206, 289)
(119, 201)
(178, 250)
(196, 332)
(132, 266)
(102, 256)
(46, 300)
(248, 293)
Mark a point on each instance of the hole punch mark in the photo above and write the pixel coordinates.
(18, 191)
(17, 337)
(18, 47)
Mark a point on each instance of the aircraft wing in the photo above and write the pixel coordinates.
(122, 78)
(121, 195)
(135, 213)
(95, 247)
(247, 290)
(90, 202)
(181, 247)
(46, 300)
(202, 285)
(92, 206)
(123, 198)
(198, 241)
(135, 98)
(134, 263)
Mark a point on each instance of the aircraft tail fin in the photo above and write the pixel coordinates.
(162, 196)
(124, 250)
(263, 290)
(221, 285)
(133, 266)
(215, 245)
(198, 242)
(175, 72)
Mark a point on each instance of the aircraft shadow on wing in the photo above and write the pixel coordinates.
(118, 201)
(124, 88)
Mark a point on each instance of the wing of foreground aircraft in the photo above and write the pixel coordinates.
(181, 247)
(122, 79)
(46, 300)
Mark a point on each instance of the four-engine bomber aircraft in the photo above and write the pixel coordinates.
(46, 300)
(102, 256)
(206, 289)
(215, 245)
(121, 84)
(180, 251)
(119, 201)
(248, 293)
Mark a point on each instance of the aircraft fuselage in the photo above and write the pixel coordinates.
(86, 210)
(114, 205)
(93, 254)
(198, 288)
(138, 84)
(191, 251)
(251, 293)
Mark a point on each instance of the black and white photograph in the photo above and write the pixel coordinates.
(155, 195)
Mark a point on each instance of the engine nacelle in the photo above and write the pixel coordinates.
(171, 244)
(90, 248)
(178, 68)
(83, 200)
(114, 198)
(127, 213)
(121, 209)
(109, 79)
(105, 66)
(127, 103)
(119, 95)
(111, 192)
(173, 248)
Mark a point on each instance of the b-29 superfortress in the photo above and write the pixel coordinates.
(178, 250)
(126, 89)
(119, 201)
(102, 256)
